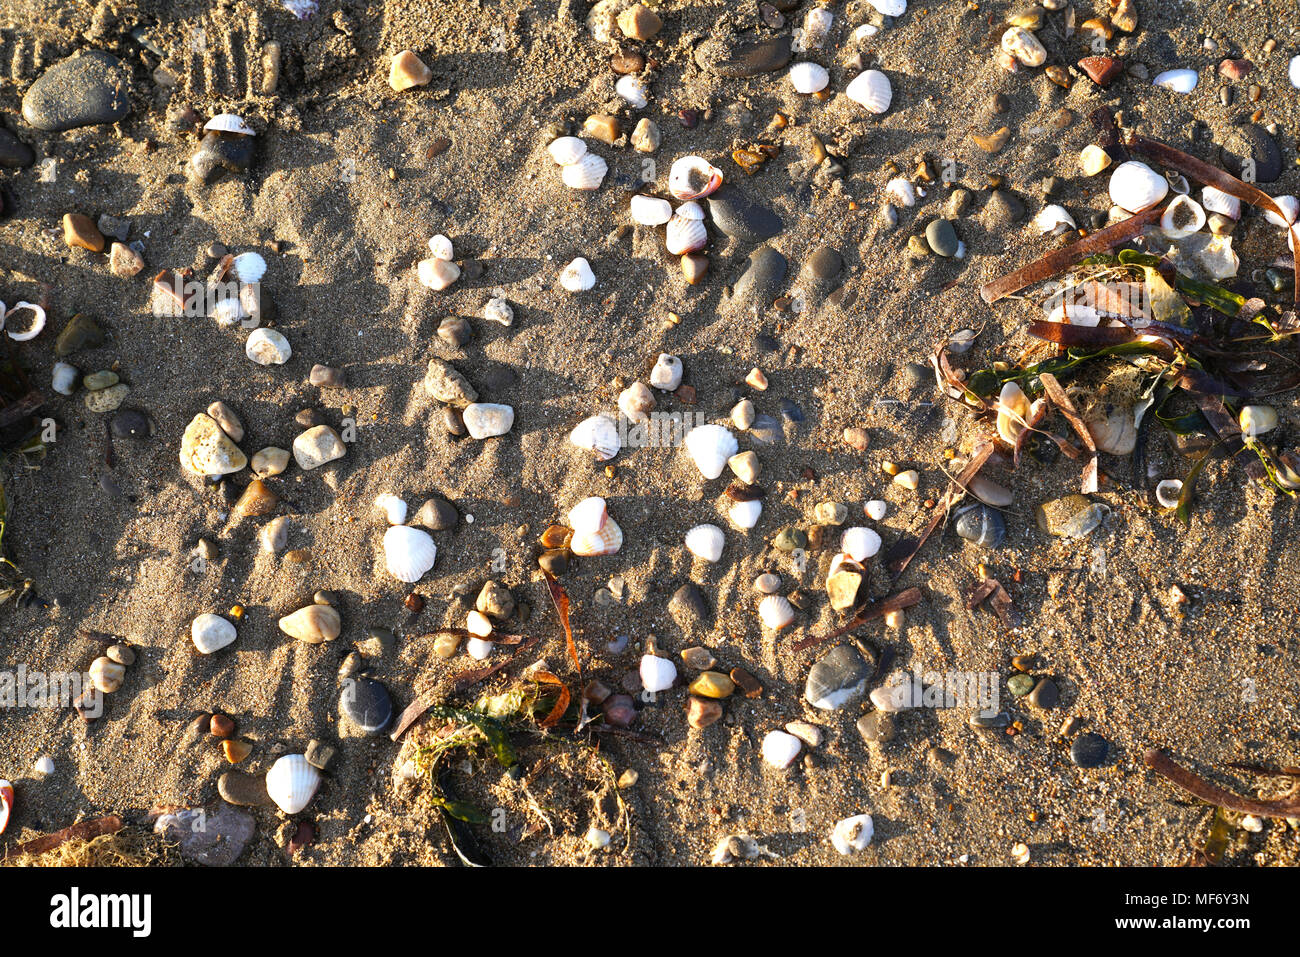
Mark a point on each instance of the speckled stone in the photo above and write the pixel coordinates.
(85, 90)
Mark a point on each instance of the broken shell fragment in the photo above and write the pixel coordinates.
(229, 123)
(33, 328)
(1257, 419)
(636, 402)
(745, 515)
(1053, 216)
(597, 434)
(607, 541)
(1180, 81)
(1024, 46)
(900, 192)
(394, 508)
(693, 177)
(1013, 411)
(1093, 159)
(1217, 201)
(1168, 491)
(1182, 217)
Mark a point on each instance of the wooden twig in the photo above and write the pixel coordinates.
(1193, 783)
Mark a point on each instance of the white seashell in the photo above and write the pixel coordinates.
(33, 329)
(44, 766)
(865, 32)
(607, 541)
(657, 674)
(816, 27)
(693, 177)
(900, 192)
(1257, 419)
(479, 648)
(229, 123)
(440, 247)
(499, 311)
(1013, 406)
(267, 347)
(211, 633)
(1093, 159)
(853, 834)
(706, 542)
(776, 612)
(228, 311)
(871, 89)
(1293, 72)
(859, 543)
(650, 210)
(248, 267)
(394, 508)
(1052, 216)
(1288, 204)
(667, 373)
(710, 446)
(636, 402)
(1024, 46)
(780, 749)
(577, 276)
(408, 552)
(1136, 186)
(685, 234)
(65, 378)
(598, 434)
(690, 210)
(876, 509)
(292, 783)
(809, 77)
(588, 173)
(1074, 313)
(1180, 81)
(478, 624)
(588, 516)
(1182, 217)
(889, 8)
(632, 89)
(1168, 491)
(1217, 201)
(745, 514)
(567, 150)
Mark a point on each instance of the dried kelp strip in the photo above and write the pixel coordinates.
(467, 679)
(1068, 335)
(1226, 428)
(991, 589)
(901, 555)
(1059, 260)
(561, 701)
(84, 831)
(1196, 785)
(561, 601)
(897, 602)
(1062, 401)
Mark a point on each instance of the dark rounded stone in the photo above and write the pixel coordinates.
(825, 264)
(130, 424)
(762, 279)
(1254, 144)
(81, 332)
(766, 343)
(453, 421)
(1001, 211)
(688, 603)
(742, 218)
(1045, 695)
(455, 331)
(838, 679)
(982, 525)
(942, 238)
(84, 90)
(1089, 750)
(366, 704)
(555, 561)
(240, 787)
(14, 153)
(437, 514)
(878, 727)
(309, 418)
(385, 636)
(737, 57)
(218, 151)
(989, 722)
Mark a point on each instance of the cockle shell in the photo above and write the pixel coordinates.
(1217, 201)
(567, 150)
(211, 633)
(312, 624)
(745, 514)
(1024, 46)
(394, 508)
(859, 543)
(650, 210)
(780, 749)
(229, 123)
(248, 267)
(597, 434)
(1289, 206)
(588, 516)
(706, 542)
(1052, 216)
(408, 552)
(587, 173)
(1182, 217)
(776, 612)
(871, 89)
(686, 232)
(632, 89)
(657, 674)
(607, 541)
(693, 177)
(1013, 407)
(33, 329)
(577, 276)
(809, 77)
(710, 446)
(1180, 81)
(440, 247)
(1136, 186)
(900, 192)
(292, 783)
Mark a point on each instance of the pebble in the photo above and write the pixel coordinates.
(1089, 750)
(455, 331)
(485, 420)
(1253, 142)
(326, 377)
(992, 142)
(666, 374)
(1001, 211)
(780, 749)
(106, 400)
(221, 726)
(206, 450)
(702, 712)
(267, 347)
(313, 624)
(1072, 516)
(639, 22)
(63, 379)
(736, 57)
(762, 279)
(838, 679)
(80, 233)
(713, 684)
(14, 153)
(806, 732)
(85, 90)
(499, 311)
(1045, 695)
(366, 704)
(408, 71)
(309, 418)
(214, 837)
(320, 755)
(218, 152)
(223, 414)
(688, 605)
(824, 264)
(942, 238)
(244, 789)
(1020, 685)
(123, 261)
(317, 446)
(789, 539)
(270, 461)
(988, 722)
(742, 218)
(982, 525)
(791, 412)
(852, 834)
(747, 683)
(646, 136)
(437, 515)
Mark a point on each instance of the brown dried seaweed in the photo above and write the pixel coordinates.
(896, 602)
(1189, 781)
(1062, 402)
(561, 600)
(901, 555)
(84, 830)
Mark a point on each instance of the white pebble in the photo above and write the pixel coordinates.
(780, 749)
(44, 766)
(853, 834)
(876, 509)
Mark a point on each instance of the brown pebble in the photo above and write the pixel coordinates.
(257, 500)
(79, 232)
(326, 377)
(123, 261)
(1235, 69)
(857, 438)
(627, 61)
(408, 71)
(701, 712)
(993, 142)
(235, 750)
(601, 126)
(686, 394)
(639, 22)
(297, 556)
(694, 266)
(221, 726)
(302, 836)
(746, 682)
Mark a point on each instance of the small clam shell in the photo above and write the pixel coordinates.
(685, 234)
(567, 150)
(710, 446)
(34, 327)
(776, 612)
(1168, 491)
(577, 276)
(1136, 186)
(871, 89)
(1289, 205)
(394, 508)
(313, 624)
(745, 514)
(1180, 81)
(706, 542)
(809, 77)
(607, 541)
(1217, 201)
(1182, 217)
(650, 210)
(657, 674)
(597, 434)
(229, 123)
(876, 509)
(587, 173)
(859, 543)
(900, 192)
(632, 89)
(292, 783)
(693, 177)
(1052, 216)
(1013, 406)
(1074, 313)
(408, 552)
(588, 516)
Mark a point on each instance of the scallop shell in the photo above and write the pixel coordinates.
(776, 612)
(33, 330)
(607, 541)
(1180, 81)
(657, 674)
(567, 150)
(871, 89)
(706, 542)
(229, 123)
(597, 434)
(588, 516)
(1217, 201)
(859, 543)
(745, 514)
(408, 552)
(686, 233)
(577, 276)
(693, 177)
(292, 783)
(248, 267)
(587, 173)
(780, 749)
(394, 508)
(1052, 216)
(440, 248)
(710, 446)
(1013, 406)
(809, 77)
(1289, 206)
(632, 89)
(1136, 186)
(900, 192)
(650, 210)
(1182, 217)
